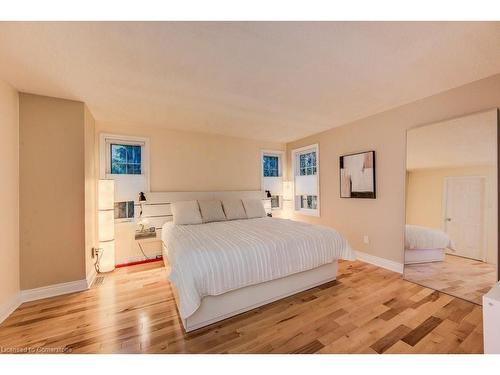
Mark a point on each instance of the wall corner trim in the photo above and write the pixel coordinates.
(380, 262)
(91, 277)
(8, 307)
(53, 290)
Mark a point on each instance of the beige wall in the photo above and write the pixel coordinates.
(52, 190)
(189, 161)
(424, 200)
(383, 219)
(90, 192)
(9, 191)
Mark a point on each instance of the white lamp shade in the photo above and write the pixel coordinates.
(273, 184)
(288, 190)
(107, 260)
(106, 194)
(306, 185)
(106, 225)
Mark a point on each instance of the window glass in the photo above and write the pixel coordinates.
(307, 163)
(275, 201)
(125, 159)
(271, 166)
(124, 210)
(309, 202)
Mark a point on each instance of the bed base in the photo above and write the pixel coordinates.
(416, 256)
(216, 308)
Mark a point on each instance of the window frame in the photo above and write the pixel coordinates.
(105, 154)
(295, 159)
(281, 168)
(105, 141)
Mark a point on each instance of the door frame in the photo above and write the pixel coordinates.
(444, 207)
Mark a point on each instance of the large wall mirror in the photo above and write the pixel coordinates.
(451, 233)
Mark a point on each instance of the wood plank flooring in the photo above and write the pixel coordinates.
(366, 310)
(461, 277)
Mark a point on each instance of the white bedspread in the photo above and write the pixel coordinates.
(418, 237)
(214, 258)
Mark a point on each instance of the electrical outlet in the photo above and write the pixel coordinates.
(95, 252)
(366, 240)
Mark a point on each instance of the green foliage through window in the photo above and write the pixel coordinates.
(271, 166)
(307, 163)
(125, 159)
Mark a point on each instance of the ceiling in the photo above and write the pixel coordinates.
(465, 141)
(277, 81)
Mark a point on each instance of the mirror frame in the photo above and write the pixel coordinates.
(498, 182)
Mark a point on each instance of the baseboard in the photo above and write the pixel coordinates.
(380, 262)
(8, 307)
(53, 290)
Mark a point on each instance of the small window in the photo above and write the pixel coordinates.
(125, 159)
(309, 202)
(124, 210)
(271, 166)
(275, 201)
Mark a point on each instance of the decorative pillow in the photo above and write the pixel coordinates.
(234, 209)
(211, 211)
(254, 208)
(186, 212)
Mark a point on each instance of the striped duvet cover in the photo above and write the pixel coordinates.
(215, 258)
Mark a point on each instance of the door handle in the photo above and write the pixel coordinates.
(448, 219)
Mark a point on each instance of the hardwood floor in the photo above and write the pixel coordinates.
(366, 310)
(461, 277)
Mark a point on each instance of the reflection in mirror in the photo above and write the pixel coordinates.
(451, 239)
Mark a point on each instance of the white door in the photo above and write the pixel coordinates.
(464, 215)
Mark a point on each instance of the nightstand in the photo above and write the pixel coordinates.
(149, 243)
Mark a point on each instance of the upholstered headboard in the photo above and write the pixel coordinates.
(157, 207)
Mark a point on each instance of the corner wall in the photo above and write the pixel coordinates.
(90, 193)
(383, 219)
(52, 191)
(9, 191)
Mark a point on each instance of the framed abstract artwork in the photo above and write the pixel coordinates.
(357, 175)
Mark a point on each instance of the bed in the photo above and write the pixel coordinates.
(423, 245)
(221, 269)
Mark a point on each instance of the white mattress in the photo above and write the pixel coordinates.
(417, 237)
(214, 258)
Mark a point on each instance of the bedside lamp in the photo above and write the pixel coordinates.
(106, 221)
(142, 200)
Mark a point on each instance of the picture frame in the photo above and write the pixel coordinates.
(358, 175)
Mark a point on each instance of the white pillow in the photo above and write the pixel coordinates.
(211, 211)
(234, 209)
(254, 208)
(186, 212)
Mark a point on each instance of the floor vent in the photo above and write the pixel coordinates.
(99, 280)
